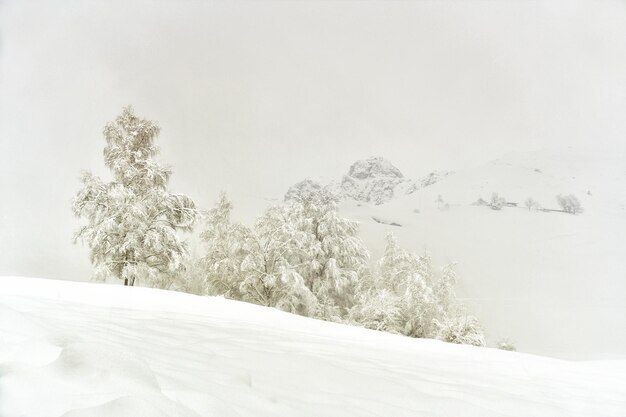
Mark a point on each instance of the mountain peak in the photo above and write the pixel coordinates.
(373, 180)
(374, 167)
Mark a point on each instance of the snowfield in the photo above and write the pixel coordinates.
(93, 350)
(552, 282)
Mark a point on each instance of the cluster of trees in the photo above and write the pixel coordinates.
(300, 256)
(568, 203)
(406, 295)
(304, 258)
(496, 203)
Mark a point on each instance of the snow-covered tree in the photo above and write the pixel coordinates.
(410, 278)
(377, 309)
(443, 289)
(255, 265)
(132, 221)
(226, 249)
(398, 268)
(439, 201)
(453, 324)
(191, 280)
(408, 296)
(441, 204)
(506, 344)
(569, 203)
(497, 202)
(400, 298)
(300, 257)
(460, 328)
(270, 273)
(331, 256)
(531, 204)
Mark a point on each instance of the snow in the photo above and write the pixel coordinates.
(89, 350)
(551, 282)
(541, 279)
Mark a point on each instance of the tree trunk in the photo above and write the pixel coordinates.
(125, 281)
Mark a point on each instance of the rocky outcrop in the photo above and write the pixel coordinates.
(374, 180)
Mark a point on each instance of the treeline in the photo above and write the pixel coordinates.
(303, 257)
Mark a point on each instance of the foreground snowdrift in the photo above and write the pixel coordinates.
(77, 350)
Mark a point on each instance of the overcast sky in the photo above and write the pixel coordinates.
(254, 96)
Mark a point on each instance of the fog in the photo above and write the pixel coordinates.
(254, 96)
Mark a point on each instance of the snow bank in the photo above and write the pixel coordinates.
(78, 349)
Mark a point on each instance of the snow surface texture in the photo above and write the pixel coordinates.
(94, 350)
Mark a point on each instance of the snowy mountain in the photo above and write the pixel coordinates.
(305, 188)
(94, 350)
(374, 180)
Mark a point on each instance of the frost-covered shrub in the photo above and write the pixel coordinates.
(531, 204)
(506, 344)
(569, 203)
(480, 202)
(133, 221)
(460, 328)
(496, 202)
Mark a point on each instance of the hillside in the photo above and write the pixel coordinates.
(552, 281)
(83, 350)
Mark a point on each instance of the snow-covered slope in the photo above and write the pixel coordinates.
(83, 350)
(553, 282)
